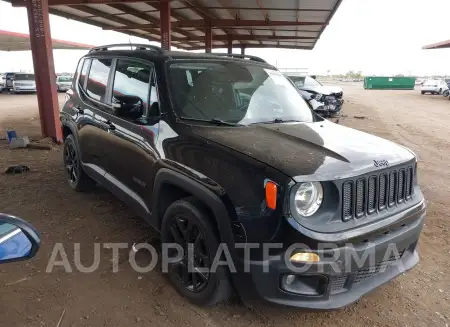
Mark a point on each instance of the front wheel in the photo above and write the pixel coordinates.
(187, 223)
(77, 178)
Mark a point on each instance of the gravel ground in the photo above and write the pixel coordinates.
(32, 297)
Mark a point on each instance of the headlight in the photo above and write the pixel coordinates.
(308, 198)
(318, 97)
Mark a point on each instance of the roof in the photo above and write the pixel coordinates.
(439, 45)
(12, 41)
(296, 24)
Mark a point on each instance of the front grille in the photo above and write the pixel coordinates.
(367, 195)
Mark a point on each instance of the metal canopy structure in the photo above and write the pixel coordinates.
(186, 24)
(295, 24)
(12, 41)
(439, 45)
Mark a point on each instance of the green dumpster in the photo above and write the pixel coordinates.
(389, 83)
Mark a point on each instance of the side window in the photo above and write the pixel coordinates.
(98, 79)
(132, 96)
(84, 70)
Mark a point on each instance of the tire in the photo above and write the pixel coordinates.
(178, 216)
(422, 92)
(440, 91)
(77, 178)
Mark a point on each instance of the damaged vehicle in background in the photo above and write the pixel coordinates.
(325, 100)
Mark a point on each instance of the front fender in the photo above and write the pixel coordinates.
(211, 200)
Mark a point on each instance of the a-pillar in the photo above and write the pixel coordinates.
(208, 37)
(164, 13)
(44, 68)
(230, 44)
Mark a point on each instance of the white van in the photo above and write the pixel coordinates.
(24, 82)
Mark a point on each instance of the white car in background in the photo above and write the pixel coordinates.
(2, 82)
(24, 82)
(435, 86)
(63, 83)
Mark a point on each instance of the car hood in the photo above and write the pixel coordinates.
(309, 151)
(325, 90)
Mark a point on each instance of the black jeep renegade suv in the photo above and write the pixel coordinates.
(216, 150)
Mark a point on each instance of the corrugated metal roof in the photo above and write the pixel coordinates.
(253, 23)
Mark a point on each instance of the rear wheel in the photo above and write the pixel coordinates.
(422, 92)
(77, 178)
(186, 221)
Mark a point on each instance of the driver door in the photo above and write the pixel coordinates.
(130, 153)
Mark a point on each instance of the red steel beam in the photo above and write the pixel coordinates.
(165, 25)
(252, 37)
(256, 8)
(174, 15)
(254, 46)
(242, 22)
(222, 23)
(230, 43)
(44, 68)
(208, 37)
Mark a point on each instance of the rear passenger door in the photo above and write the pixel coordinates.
(129, 153)
(91, 110)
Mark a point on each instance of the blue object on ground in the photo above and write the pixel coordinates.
(11, 135)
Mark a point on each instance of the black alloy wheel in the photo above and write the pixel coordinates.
(77, 178)
(71, 163)
(192, 271)
(189, 224)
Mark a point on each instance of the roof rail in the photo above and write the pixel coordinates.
(137, 46)
(241, 56)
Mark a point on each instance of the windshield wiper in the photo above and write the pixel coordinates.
(277, 121)
(213, 121)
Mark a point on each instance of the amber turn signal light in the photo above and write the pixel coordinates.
(271, 195)
(305, 257)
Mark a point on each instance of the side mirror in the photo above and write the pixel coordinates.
(128, 106)
(18, 239)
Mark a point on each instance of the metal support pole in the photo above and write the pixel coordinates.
(164, 13)
(243, 50)
(44, 68)
(208, 37)
(230, 44)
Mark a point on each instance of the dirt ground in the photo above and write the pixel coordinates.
(32, 297)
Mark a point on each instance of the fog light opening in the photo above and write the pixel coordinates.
(290, 279)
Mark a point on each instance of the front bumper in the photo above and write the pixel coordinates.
(18, 89)
(341, 280)
(329, 108)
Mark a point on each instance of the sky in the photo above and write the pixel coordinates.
(377, 37)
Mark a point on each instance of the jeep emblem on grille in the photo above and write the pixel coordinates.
(380, 163)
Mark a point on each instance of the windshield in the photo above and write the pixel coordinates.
(234, 92)
(64, 79)
(431, 82)
(24, 77)
(304, 81)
